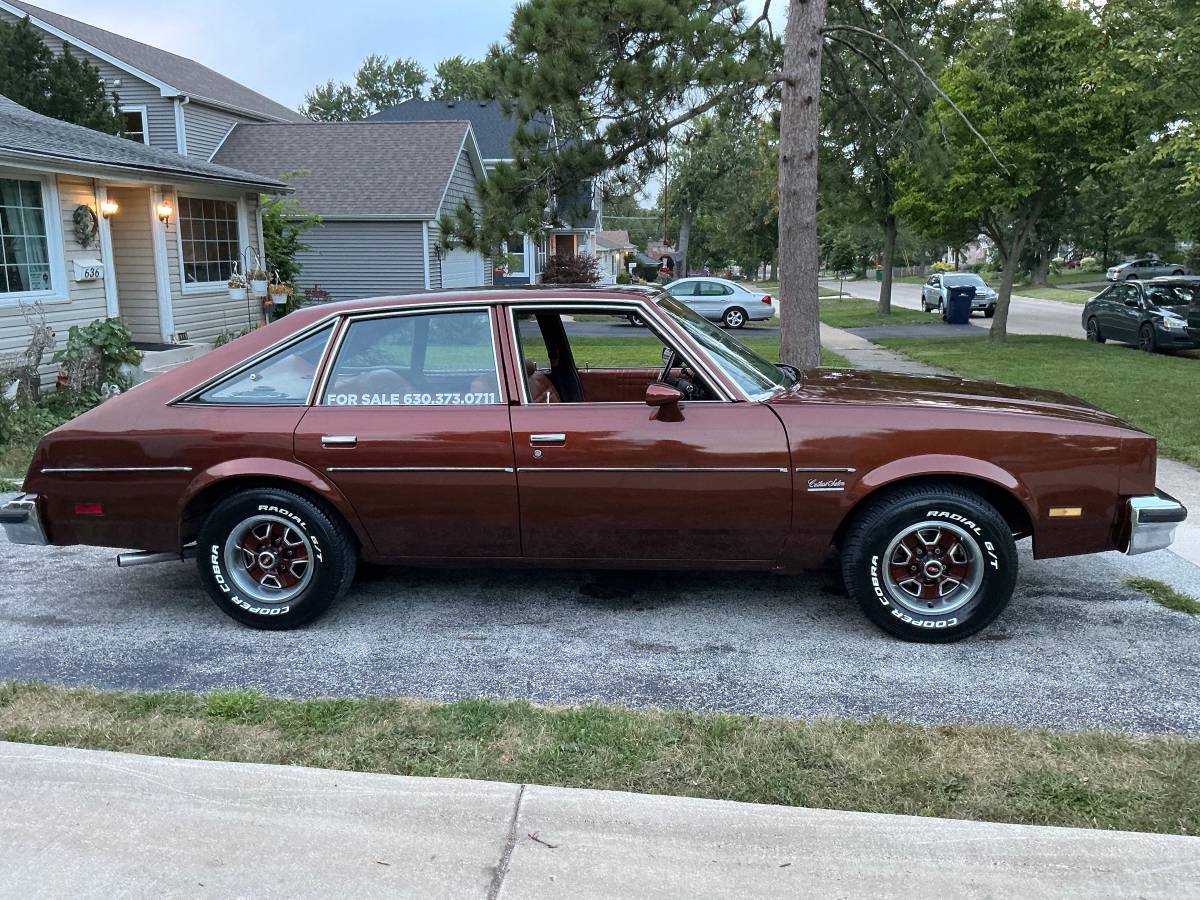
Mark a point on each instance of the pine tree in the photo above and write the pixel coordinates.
(24, 65)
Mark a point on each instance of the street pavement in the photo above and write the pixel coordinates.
(1025, 315)
(93, 824)
(1075, 649)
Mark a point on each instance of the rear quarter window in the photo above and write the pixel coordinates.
(283, 379)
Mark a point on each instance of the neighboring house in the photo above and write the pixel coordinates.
(95, 226)
(494, 130)
(379, 188)
(612, 250)
(167, 101)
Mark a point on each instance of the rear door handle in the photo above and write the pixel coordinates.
(339, 440)
(547, 439)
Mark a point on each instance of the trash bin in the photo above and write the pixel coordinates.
(879, 274)
(958, 305)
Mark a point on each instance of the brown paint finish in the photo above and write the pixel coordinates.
(721, 484)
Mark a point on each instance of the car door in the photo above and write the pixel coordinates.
(1127, 314)
(622, 482)
(932, 291)
(412, 427)
(712, 299)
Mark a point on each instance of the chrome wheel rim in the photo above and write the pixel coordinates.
(933, 568)
(733, 318)
(269, 559)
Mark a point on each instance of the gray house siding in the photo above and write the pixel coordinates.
(131, 91)
(463, 187)
(363, 259)
(206, 128)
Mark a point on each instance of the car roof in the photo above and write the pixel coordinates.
(706, 278)
(1175, 279)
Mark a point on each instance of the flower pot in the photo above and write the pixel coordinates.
(279, 299)
(259, 287)
(237, 293)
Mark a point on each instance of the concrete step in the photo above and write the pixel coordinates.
(155, 362)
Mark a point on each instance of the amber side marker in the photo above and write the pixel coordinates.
(1065, 512)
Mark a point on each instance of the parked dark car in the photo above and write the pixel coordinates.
(1153, 314)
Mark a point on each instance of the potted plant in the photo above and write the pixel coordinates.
(279, 292)
(258, 282)
(237, 286)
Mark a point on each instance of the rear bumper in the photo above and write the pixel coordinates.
(1152, 522)
(21, 520)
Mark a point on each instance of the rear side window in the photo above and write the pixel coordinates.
(282, 379)
(431, 359)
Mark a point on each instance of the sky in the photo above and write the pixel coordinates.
(282, 48)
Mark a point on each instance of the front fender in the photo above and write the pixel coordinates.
(934, 464)
(275, 470)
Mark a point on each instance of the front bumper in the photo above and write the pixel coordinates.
(21, 520)
(1152, 522)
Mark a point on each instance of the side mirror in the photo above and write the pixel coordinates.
(659, 394)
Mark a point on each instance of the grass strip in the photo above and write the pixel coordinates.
(1142, 388)
(856, 312)
(1165, 595)
(1089, 779)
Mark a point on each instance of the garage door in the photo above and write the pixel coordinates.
(462, 268)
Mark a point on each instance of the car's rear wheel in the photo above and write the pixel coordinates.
(1178, 272)
(1132, 276)
(734, 317)
(636, 320)
(274, 559)
(933, 564)
(1093, 331)
(1146, 339)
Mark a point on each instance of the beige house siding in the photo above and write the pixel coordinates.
(86, 299)
(206, 314)
(133, 259)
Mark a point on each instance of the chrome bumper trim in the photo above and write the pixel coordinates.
(1152, 522)
(21, 520)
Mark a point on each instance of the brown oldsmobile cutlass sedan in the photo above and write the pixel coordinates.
(536, 428)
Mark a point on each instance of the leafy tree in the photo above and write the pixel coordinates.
(379, 83)
(62, 87)
(284, 223)
(1030, 83)
(459, 78)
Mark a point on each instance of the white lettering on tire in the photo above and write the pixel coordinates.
(223, 584)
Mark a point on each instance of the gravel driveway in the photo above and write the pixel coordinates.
(1074, 650)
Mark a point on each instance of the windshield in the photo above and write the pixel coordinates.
(1173, 294)
(753, 374)
(964, 280)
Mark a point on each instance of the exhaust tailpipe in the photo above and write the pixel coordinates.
(145, 557)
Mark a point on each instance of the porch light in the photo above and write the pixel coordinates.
(109, 208)
(165, 210)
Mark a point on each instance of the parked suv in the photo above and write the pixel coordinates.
(936, 292)
(1152, 314)
(1143, 267)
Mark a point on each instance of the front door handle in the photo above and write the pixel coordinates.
(547, 439)
(339, 440)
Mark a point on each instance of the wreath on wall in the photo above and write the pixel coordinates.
(87, 225)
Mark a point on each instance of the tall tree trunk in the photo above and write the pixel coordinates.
(799, 312)
(685, 236)
(1045, 254)
(889, 257)
(1008, 274)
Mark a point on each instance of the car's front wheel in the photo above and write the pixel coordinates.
(734, 317)
(1147, 340)
(274, 559)
(933, 564)
(990, 312)
(1094, 334)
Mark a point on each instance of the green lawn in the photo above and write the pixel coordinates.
(1145, 389)
(1090, 779)
(856, 312)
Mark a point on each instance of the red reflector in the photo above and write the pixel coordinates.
(89, 509)
(766, 298)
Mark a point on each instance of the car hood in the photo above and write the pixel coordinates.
(1180, 311)
(941, 391)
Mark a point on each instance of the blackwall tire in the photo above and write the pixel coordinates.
(961, 538)
(251, 551)
(1094, 334)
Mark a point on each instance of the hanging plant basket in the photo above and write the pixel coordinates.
(237, 293)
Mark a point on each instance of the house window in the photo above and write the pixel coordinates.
(25, 265)
(133, 124)
(514, 250)
(209, 237)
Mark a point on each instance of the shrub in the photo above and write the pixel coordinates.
(1089, 264)
(942, 266)
(226, 336)
(624, 278)
(94, 360)
(578, 269)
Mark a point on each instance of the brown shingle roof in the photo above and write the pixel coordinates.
(179, 72)
(350, 169)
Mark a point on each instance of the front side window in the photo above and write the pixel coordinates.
(429, 359)
(283, 379)
(133, 125)
(683, 289)
(210, 238)
(24, 245)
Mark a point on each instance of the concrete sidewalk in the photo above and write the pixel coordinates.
(85, 823)
(862, 353)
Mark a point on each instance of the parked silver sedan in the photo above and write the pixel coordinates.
(936, 292)
(721, 300)
(1143, 267)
